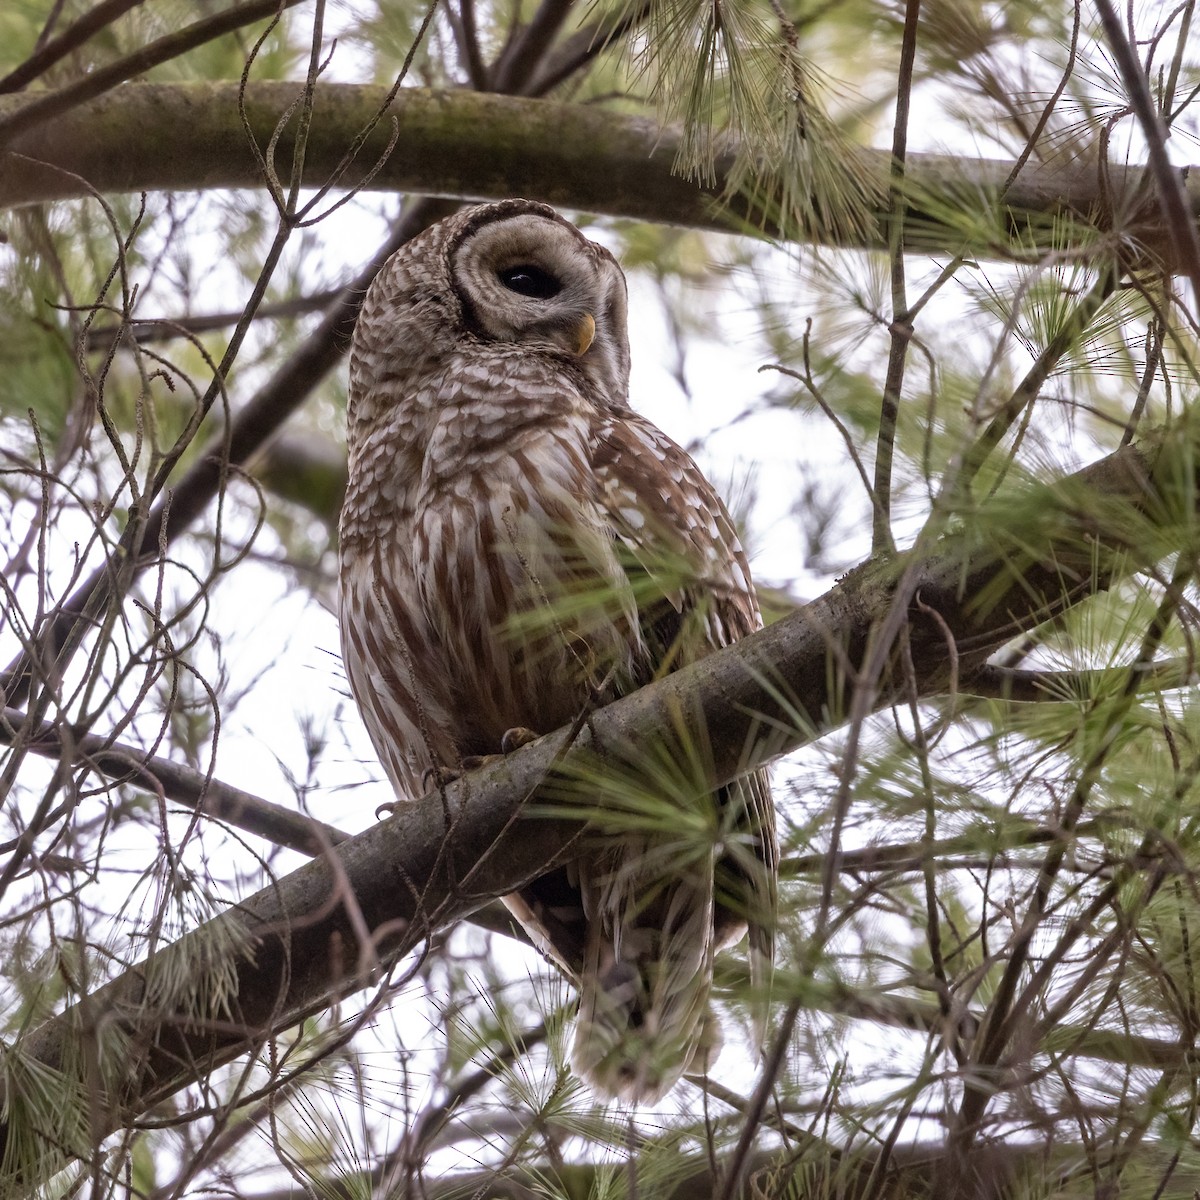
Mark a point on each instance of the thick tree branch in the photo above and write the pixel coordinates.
(466, 145)
(439, 859)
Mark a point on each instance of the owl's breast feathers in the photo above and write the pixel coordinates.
(488, 539)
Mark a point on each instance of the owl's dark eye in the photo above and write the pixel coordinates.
(528, 280)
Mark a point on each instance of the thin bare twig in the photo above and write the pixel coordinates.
(282, 826)
(901, 329)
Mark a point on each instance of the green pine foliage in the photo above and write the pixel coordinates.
(987, 946)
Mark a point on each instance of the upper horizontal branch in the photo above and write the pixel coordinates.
(286, 952)
(461, 144)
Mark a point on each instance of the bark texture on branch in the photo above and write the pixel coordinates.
(286, 952)
(466, 145)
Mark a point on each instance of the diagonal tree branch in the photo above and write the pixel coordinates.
(527, 46)
(1179, 222)
(295, 945)
(37, 110)
(145, 330)
(58, 47)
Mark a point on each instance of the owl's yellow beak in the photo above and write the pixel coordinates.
(585, 334)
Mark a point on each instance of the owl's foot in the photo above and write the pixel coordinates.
(513, 739)
(517, 737)
(435, 777)
(432, 779)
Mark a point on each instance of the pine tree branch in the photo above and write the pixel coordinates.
(467, 145)
(905, 1012)
(976, 848)
(439, 859)
(57, 48)
(35, 111)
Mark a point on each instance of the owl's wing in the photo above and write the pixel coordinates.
(673, 527)
(692, 582)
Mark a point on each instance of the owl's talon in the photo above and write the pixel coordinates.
(513, 739)
(436, 777)
(386, 810)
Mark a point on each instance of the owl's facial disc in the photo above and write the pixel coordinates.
(535, 281)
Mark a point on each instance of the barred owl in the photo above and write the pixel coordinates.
(516, 544)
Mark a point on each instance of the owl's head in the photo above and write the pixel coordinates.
(525, 276)
(514, 273)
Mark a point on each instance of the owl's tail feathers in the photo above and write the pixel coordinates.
(644, 1014)
(622, 1047)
